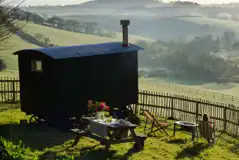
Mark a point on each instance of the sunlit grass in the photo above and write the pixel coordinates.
(41, 141)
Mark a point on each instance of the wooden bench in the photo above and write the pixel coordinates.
(139, 139)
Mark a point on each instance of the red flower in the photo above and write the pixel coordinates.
(89, 106)
(96, 110)
(90, 101)
(102, 105)
(107, 108)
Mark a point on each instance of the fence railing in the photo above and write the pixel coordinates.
(179, 89)
(9, 89)
(226, 116)
(185, 108)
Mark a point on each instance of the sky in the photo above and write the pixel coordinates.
(65, 2)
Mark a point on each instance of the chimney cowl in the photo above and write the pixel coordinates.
(125, 22)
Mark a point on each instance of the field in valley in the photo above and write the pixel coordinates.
(225, 93)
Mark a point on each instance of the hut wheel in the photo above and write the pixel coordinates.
(34, 119)
(130, 110)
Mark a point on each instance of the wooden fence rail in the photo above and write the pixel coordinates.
(185, 108)
(226, 116)
(9, 89)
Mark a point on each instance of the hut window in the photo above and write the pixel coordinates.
(36, 66)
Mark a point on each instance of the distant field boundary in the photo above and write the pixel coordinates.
(10, 87)
(199, 93)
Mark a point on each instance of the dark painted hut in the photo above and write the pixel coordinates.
(60, 80)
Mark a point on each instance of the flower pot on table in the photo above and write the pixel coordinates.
(99, 115)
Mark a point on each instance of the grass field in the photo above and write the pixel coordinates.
(227, 88)
(11, 45)
(227, 94)
(40, 140)
(58, 37)
(61, 37)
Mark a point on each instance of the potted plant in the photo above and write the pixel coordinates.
(98, 108)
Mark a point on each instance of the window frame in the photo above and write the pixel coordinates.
(34, 66)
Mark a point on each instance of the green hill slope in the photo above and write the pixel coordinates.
(61, 37)
(57, 37)
(11, 45)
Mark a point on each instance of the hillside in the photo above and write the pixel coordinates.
(61, 37)
(57, 37)
(154, 27)
(151, 19)
(13, 44)
(216, 23)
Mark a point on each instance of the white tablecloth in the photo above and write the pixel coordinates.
(100, 127)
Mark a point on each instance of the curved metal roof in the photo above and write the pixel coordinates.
(84, 50)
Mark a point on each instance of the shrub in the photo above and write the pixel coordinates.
(9, 151)
(3, 65)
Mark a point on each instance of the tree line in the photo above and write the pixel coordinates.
(64, 24)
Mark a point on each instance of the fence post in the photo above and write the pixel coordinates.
(225, 118)
(172, 108)
(13, 91)
(197, 105)
(136, 108)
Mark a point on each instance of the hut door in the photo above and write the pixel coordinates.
(36, 79)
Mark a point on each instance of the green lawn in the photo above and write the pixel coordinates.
(40, 140)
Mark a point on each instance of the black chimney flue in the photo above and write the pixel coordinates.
(125, 24)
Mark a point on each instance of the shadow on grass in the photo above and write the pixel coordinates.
(233, 141)
(34, 136)
(101, 154)
(235, 149)
(177, 141)
(5, 107)
(192, 151)
(88, 153)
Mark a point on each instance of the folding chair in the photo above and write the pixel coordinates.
(159, 125)
(207, 132)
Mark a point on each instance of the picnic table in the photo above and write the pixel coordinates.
(105, 133)
(193, 126)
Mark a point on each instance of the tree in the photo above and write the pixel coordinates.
(3, 65)
(8, 19)
(37, 19)
(56, 21)
(91, 27)
(39, 36)
(228, 39)
(46, 40)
